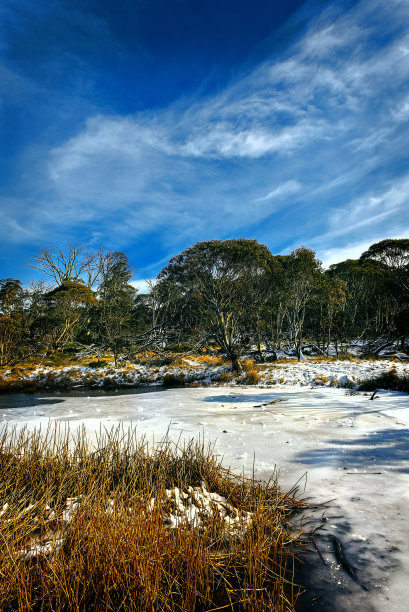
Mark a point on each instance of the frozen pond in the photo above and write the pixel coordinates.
(355, 452)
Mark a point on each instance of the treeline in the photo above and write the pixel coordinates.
(233, 293)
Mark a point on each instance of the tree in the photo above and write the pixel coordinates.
(11, 296)
(326, 313)
(116, 303)
(393, 255)
(265, 315)
(74, 263)
(302, 273)
(12, 321)
(65, 306)
(371, 309)
(215, 280)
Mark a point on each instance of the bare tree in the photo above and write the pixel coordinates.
(73, 263)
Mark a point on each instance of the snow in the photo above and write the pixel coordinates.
(340, 446)
(323, 372)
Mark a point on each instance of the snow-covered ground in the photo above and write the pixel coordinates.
(355, 452)
(202, 369)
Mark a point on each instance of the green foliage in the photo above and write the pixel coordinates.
(233, 295)
(179, 348)
(72, 293)
(11, 295)
(394, 253)
(112, 319)
(213, 282)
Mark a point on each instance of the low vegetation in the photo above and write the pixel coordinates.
(102, 526)
(390, 381)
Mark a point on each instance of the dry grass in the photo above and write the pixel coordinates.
(320, 379)
(175, 379)
(106, 546)
(251, 375)
(226, 377)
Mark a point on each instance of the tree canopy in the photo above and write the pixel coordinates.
(234, 294)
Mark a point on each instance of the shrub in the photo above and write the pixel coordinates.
(251, 375)
(226, 377)
(179, 348)
(174, 380)
(320, 380)
(59, 358)
(388, 380)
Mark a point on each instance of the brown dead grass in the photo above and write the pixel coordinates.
(117, 553)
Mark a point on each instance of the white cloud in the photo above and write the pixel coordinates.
(378, 215)
(141, 285)
(325, 121)
(349, 251)
(282, 191)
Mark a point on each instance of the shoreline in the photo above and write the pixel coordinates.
(192, 371)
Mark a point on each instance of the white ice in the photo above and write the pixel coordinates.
(355, 452)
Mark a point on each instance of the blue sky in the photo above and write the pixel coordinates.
(148, 125)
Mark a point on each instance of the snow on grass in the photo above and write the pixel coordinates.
(203, 369)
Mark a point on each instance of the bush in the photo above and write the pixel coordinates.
(174, 380)
(59, 358)
(226, 377)
(251, 375)
(389, 380)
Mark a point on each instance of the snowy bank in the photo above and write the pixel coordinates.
(197, 370)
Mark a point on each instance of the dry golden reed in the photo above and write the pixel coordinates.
(79, 529)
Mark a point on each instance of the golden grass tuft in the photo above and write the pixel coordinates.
(226, 377)
(116, 551)
(251, 375)
(320, 379)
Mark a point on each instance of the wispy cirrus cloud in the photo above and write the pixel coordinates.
(282, 191)
(322, 127)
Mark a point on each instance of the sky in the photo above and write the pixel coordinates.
(145, 126)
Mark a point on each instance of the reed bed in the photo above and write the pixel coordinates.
(108, 524)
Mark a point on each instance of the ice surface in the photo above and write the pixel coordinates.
(355, 451)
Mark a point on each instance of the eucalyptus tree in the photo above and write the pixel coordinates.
(216, 281)
(65, 306)
(11, 296)
(12, 321)
(371, 308)
(302, 276)
(393, 257)
(326, 316)
(394, 254)
(114, 313)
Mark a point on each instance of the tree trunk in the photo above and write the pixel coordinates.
(298, 350)
(235, 363)
(260, 352)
